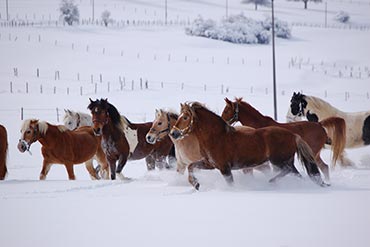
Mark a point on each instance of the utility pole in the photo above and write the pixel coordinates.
(93, 10)
(7, 10)
(227, 8)
(273, 59)
(165, 12)
(326, 14)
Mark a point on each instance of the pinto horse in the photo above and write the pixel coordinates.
(62, 146)
(113, 127)
(314, 134)
(316, 109)
(3, 152)
(227, 148)
(187, 149)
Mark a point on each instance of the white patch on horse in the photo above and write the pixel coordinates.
(131, 136)
(109, 146)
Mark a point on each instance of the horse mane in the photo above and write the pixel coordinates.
(252, 111)
(171, 113)
(320, 105)
(193, 106)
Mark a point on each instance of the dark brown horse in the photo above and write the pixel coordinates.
(315, 134)
(119, 134)
(62, 146)
(3, 152)
(226, 148)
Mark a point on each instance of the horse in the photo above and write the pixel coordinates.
(314, 134)
(62, 146)
(72, 120)
(187, 149)
(315, 109)
(228, 148)
(3, 152)
(113, 127)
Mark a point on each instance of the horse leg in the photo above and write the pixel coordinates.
(150, 162)
(286, 168)
(45, 170)
(323, 167)
(102, 161)
(201, 164)
(112, 166)
(90, 168)
(181, 167)
(71, 174)
(228, 176)
(121, 163)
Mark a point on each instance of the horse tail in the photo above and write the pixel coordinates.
(3, 153)
(306, 156)
(336, 131)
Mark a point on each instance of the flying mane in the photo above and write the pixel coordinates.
(321, 105)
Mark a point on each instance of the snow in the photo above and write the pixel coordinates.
(160, 207)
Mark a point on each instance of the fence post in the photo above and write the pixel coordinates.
(37, 72)
(26, 87)
(81, 90)
(41, 88)
(57, 114)
(101, 78)
(222, 88)
(22, 113)
(132, 85)
(11, 87)
(141, 83)
(108, 86)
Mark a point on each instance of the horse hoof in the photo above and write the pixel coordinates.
(196, 186)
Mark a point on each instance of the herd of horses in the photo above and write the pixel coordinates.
(198, 138)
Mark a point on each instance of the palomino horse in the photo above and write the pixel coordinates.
(187, 149)
(316, 109)
(312, 133)
(3, 152)
(61, 146)
(108, 122)
(226, 148)
(72, 120)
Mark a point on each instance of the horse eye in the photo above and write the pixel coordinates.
(69, 123)
(28, 132)
(160, 123)
(185, 117)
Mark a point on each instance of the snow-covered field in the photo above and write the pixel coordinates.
(160, 207)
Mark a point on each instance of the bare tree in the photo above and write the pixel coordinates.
(69, 11)
(257, 2)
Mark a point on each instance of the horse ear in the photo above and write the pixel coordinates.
(65, 111)
(227, 101)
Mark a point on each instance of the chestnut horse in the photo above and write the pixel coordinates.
(108, 122)
(314, 134)
(62, 146)
(3, 152)
(227, 148)
(187, 149)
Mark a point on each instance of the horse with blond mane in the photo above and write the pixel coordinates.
(62, 146)
(227, 148)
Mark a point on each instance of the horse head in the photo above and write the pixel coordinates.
(71, 119)
(184, 123)
(160, 127)
(30, 133)
(100, 114)
(231, 111)
(297, 107)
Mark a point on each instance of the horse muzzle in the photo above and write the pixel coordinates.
(23, 146)
(176, 134)
(150, 139)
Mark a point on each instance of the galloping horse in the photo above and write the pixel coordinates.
(108, 122)
(316, 109)
(187, 149)
(312, 133)
(3, 151)
(226, 148)
(72, 120)
(61, 146)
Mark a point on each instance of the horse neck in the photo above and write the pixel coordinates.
(50, 136)
(322, 108)
(217, 126)
(111, 130)
(86, 120)
(251, 117)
